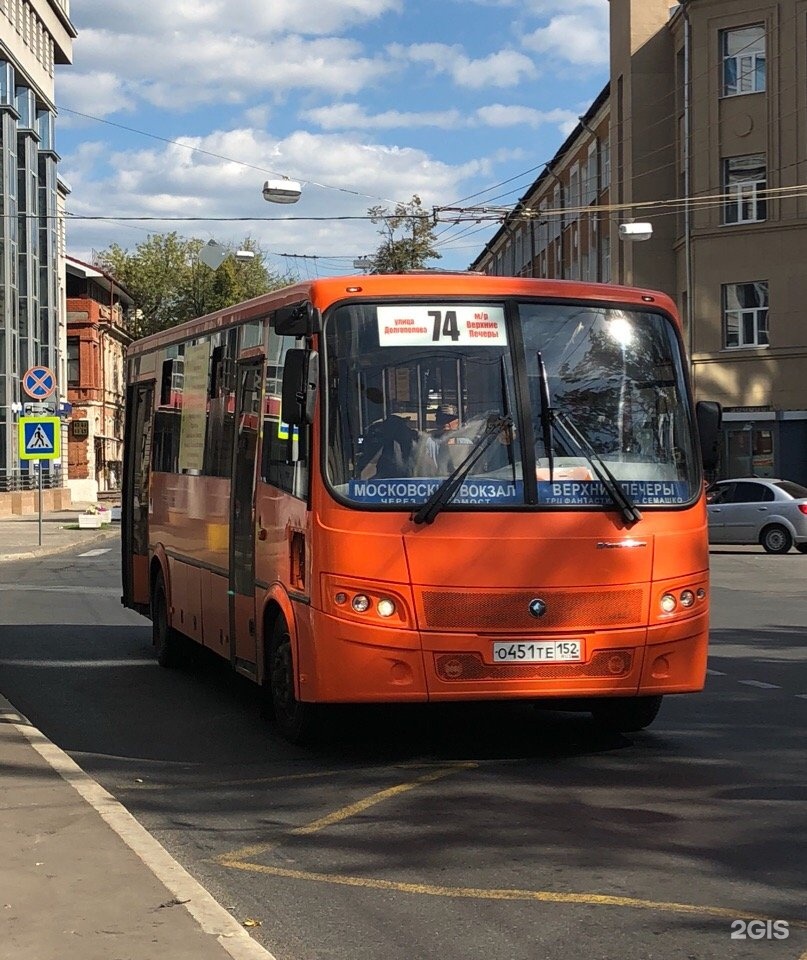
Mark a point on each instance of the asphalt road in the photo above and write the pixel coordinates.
(496, 832)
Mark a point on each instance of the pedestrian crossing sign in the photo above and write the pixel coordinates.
(40, 438)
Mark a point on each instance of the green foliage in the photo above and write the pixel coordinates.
(169, 284)
(409, 240)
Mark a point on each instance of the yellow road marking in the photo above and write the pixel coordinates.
(237, 860)
(237, 856)
(479, 893)
(360, 806)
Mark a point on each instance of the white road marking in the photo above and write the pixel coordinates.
(84, 664)
(760, 684)
(715, 673)
(95, 553)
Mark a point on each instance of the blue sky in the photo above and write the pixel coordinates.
(184, 108)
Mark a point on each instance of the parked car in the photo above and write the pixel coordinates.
(772, 513)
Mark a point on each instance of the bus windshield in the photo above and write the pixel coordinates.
(413, 386)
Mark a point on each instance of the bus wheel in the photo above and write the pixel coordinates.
(169, 645)
(626, 714)
(296, 721)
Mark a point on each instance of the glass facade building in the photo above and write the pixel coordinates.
(35, 35)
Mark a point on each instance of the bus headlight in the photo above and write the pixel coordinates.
(385, 607)
(361, 603)
(687, 598)
(668, 603)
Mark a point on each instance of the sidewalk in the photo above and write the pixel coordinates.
(19, 535)
(80, 878)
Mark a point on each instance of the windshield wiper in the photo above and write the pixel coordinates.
(441, 496)
(572, 433)
(547, 416)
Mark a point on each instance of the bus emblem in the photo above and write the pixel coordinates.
(537, 608)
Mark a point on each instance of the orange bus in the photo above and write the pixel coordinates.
(425, 487)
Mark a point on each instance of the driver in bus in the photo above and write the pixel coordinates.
(388, 445)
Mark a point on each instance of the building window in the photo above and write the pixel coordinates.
(73, 365)
(745, 314)
(605, 164)
(744, 178)
(744, 62)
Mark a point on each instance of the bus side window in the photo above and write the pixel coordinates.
(277, 468)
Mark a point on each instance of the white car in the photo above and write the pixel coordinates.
(772, 513)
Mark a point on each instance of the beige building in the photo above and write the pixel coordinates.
(707, 117)
(35, 35)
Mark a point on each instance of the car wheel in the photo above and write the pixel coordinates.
(776, 539)
(170, 647)
(626, 714)
(296, 721)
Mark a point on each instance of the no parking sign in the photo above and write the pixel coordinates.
(39, 382)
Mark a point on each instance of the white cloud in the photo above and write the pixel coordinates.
(173, 181)
(501, 115)
(228, 69)
(97, 93)
(580, 38)
(264, 19)
(505, 68)
(352, 116)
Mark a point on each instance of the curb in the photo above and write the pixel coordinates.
(201, 905)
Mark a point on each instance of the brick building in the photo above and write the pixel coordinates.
(97, 308)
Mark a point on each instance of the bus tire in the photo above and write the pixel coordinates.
(626, 714)
(170, 647)
(296, 721)
(776, 539)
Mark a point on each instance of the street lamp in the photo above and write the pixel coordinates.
(282, 191)
(635, 231)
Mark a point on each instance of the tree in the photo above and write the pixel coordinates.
(413, 247)
(169, 284)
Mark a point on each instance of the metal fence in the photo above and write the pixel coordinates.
(27, 478)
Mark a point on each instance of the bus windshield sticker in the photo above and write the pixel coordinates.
(194, 406)
(443, 325)
(415, 490)
(579, 493)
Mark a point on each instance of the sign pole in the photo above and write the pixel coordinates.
(39, 474)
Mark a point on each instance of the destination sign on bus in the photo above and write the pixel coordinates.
(444, 325)
(484, 490)
(474, 490)
(579, 493)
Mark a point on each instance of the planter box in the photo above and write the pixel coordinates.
(105, 514)
(89, 521)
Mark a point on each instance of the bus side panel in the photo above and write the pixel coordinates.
(215, 612)
(141, 587)
(186, 599)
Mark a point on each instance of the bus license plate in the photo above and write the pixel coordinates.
(543, 651)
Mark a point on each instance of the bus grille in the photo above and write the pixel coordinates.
(577, 610)
(463, 667)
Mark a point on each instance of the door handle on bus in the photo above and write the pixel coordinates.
(262, 533)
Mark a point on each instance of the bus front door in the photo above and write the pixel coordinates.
(243, 650)
(136, 495)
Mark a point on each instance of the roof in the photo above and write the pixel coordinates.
(88, 271)
(565, 147)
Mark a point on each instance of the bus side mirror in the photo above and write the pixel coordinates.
(710, 420)
(300, 320)
(300, 382)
